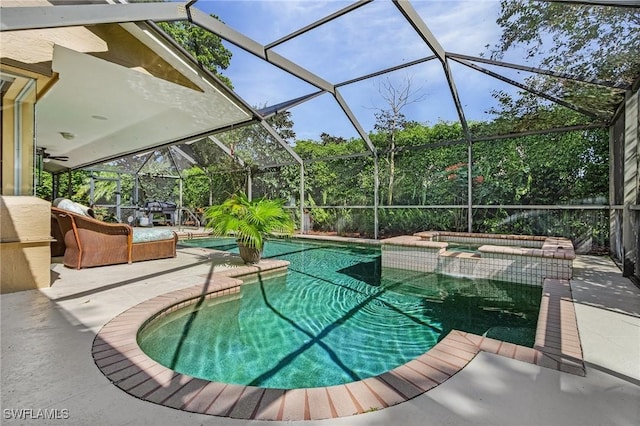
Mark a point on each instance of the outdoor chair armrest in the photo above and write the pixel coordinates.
(90, 242)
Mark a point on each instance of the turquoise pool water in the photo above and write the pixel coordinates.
(463, 247)
(336, 316)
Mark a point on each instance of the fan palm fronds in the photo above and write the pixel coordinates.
(250, 221)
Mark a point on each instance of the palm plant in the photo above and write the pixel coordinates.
(250, 221)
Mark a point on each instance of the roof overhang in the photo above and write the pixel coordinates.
(104, 102)
(99, 110)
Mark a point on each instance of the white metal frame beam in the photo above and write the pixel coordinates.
(283, 106)
(386, 71)
(227, 33)
(226, 150)
(410, 14)
(281, 141)
(354, 121)
(595, 81)
(318, 23)
(527, 88)
(232, 36)
(39, 17)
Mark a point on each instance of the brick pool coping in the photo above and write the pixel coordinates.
(550, 247)
(522, 259)
(117, 354)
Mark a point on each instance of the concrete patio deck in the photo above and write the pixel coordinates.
(47, 336)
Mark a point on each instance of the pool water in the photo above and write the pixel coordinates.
(335, 317)
(463, 247)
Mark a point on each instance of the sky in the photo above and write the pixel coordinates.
(374, 37)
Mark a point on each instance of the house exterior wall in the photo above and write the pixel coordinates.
(18, 128)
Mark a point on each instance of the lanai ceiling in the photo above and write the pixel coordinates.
(118, 86)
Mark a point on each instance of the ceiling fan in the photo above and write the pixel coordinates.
(46, 157)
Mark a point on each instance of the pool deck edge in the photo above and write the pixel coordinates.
(117, 354)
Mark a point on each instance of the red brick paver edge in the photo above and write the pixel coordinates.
(117, 354)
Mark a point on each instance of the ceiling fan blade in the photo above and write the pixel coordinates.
(48, 157)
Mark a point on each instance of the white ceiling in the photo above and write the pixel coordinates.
(112, 110)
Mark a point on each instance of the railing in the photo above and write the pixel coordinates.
(189, 218)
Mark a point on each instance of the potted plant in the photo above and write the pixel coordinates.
(250, 222)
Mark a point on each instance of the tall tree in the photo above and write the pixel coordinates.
(326, 139)
(390, 120)
(223, 174)
(592, 42)
(204, 46)
(255, 146)
(282, 123)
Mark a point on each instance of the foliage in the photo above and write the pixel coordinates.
(322, 219)
(68, 187)
(210, 185)
(577, 225)
(282, 123)
(44, 185)
(196, 188)
(562, 168)
(558, 168)
(278, 182)
(327, 139)
(525, 113)
(215, 178)
(158, 188)
(256, 147)
(204, 46)
(407, 221)
(337, 181)
(589, 42)
(250, 221)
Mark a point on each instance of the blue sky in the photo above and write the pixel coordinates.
(374, 37)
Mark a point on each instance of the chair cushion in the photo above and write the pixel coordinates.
(73, 207)
(145, 235)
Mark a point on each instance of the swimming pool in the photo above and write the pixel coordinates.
(336, 317)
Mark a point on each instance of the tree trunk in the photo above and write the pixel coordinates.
(392, 171)
(392, 167)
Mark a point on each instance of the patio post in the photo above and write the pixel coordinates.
(376, 184)
(180, 207)
(302, 221)
(69, 191)
(469, 187)
(249, 184)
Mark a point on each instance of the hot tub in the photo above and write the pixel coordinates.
(524, 259)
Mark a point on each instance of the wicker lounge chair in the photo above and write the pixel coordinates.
(89, 242)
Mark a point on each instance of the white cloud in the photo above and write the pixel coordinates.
(462, 26)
